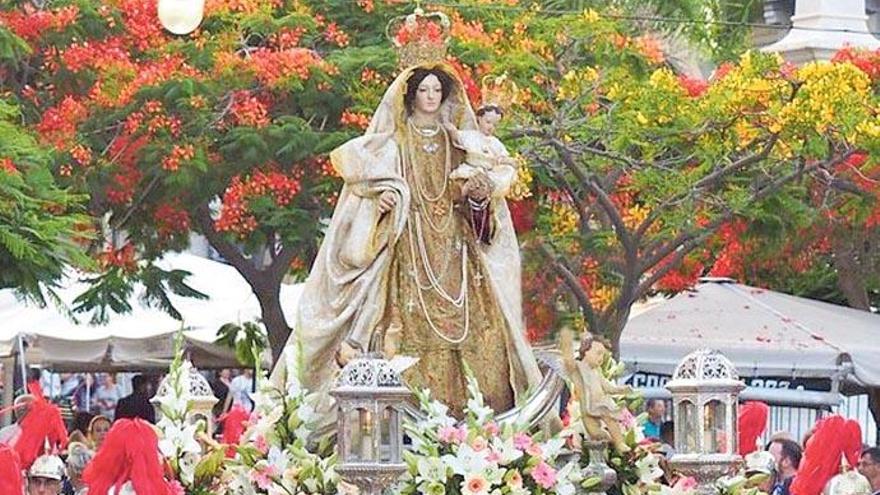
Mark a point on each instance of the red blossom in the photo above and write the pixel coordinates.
(272, 68)
(465, 73)
(682, 277)
(695, 87)
(357, 120)
(523, 215)
(334, 34)
(123, 258)
(141, 20)
(171, 219)
(248, 110)
(31, 24)
(179, 153)
(58, 126)
(867, 61)
(7, 166)
(235, 213)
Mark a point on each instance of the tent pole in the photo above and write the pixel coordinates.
(22, 363)
(8, 389)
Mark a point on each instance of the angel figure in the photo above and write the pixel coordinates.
(599, 412)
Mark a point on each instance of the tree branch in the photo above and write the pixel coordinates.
(561, 267)
(226, 248)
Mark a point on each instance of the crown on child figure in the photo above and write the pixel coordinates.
(499, 91)
(419, 38)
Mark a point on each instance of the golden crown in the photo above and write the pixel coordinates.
(499, 91)
(419, 38)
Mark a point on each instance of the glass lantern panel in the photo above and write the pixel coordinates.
(360, 447)
(386, 440)
(714, 431)
(687, 428)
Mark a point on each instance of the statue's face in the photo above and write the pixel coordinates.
(488, 122)
(429, 95)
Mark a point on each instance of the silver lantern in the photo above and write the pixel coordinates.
(370, 399)
(705, 388)
(201, 398)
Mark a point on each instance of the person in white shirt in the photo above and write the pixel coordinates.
(240, 390)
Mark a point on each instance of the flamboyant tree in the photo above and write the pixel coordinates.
(628, 170)
(645, 170)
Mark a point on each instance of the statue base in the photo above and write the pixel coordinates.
(598, 467)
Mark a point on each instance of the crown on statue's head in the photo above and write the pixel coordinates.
(419, 38)
(499, 91)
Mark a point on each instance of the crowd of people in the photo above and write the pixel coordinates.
(79, 414)
(831, 459)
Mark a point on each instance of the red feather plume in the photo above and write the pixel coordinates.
(821, 460)
(10, 471)
(852, 447)
(234, 424)
(130, 452)
(42, 424)
(751, 423)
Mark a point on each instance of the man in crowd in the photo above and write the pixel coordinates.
(869, 467)
(240, 388)
(137, 405)
(656, 409)
(44, 476)
(9, 434)
(787, 454)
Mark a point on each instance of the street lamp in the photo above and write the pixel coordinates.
(370, 398)
(705, 388)
(181, 16)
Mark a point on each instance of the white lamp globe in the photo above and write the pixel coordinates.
(181, 16)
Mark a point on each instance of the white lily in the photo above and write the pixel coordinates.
(506, 450)
(648, 468)
(466, 460)
(431, 469)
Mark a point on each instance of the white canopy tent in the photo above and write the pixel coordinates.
(143, 338)
(764, 333)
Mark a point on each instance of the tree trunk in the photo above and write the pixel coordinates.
(269, 296)
(848, 257)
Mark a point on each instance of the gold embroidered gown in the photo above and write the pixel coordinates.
(438, 248)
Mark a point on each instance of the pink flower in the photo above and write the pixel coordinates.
(263, 477)
(626, 419)
(491, 429)
(475, 484)
(685, 483)
(514, 479)
(451, 434)
(534, 450)
(176, 488)
(479, 444)
(544, 475)
(493, 456)
(522, 441)
(261, 444)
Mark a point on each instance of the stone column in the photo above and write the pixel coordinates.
(822, 27)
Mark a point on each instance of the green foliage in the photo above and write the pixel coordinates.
(39, 222)
(248, 340)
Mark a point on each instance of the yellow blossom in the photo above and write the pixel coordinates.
(563, 220)
(591, 15)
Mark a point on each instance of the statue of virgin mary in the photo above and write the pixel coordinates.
(402, 269)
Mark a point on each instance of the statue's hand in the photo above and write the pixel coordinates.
(346, 353)
(387, 201)
(478, 187)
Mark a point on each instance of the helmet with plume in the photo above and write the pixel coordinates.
(130, 453)
(751, 423)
